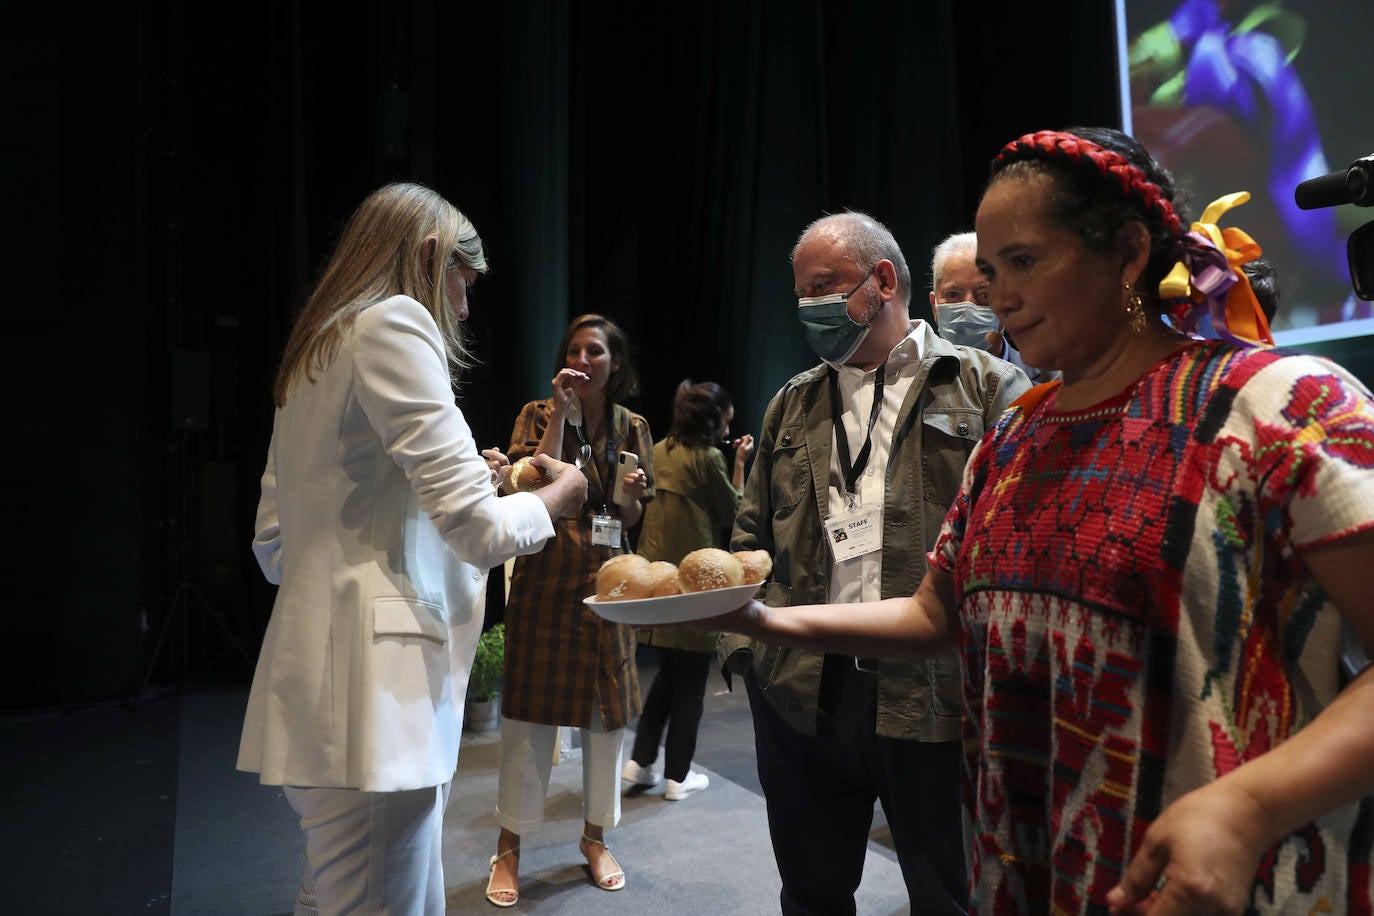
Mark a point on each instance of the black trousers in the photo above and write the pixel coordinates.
(675, 700)
(820, 791)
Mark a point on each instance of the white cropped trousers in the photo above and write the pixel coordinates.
(527, 750)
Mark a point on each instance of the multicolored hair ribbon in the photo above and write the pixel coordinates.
(1207, 284)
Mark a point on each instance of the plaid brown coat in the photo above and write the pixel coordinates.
(560, 656)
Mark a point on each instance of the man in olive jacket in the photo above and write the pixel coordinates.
(850, 518)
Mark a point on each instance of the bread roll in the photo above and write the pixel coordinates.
(624, 578)
(665, 578)
(758, 565)
(621, 558)
(524, 476)
(709, 568)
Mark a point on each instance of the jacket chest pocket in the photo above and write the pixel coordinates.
(948, 437)
(790, 477)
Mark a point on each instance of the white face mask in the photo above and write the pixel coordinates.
(965, 323)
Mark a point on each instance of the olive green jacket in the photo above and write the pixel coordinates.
(958, 392)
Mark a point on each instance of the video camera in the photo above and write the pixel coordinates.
(1355, 186)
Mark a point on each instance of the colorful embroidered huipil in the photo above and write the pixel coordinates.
(1136, 620)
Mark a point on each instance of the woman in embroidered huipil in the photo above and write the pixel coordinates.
(565, 665)
(1146, 568)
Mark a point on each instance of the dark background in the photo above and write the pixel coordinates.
(177, 174)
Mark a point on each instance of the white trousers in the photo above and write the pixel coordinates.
(373, 853)
(527, 752)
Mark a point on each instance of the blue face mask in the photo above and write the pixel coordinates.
(832, 334)
(965, 323)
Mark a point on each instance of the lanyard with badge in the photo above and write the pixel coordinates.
(605, 527)
(856, 531)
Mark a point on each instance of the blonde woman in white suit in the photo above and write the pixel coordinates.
(379, 520)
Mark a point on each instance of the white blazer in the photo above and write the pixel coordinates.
(379, 522)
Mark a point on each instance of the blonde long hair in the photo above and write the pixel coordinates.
(380, 254)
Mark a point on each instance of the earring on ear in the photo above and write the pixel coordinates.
(1135, 310)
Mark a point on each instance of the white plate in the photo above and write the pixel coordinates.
(673, 608)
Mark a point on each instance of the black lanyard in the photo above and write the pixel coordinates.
(851, 472)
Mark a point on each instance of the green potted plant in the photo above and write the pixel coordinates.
(484, 682)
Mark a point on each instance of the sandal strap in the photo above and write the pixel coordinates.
(612, 876)
(492, 892)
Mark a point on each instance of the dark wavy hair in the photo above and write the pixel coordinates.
(1100, 186)
(624, 382)
(699, 410)
(1264, 283)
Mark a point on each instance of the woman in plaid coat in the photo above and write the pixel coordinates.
(564, 664)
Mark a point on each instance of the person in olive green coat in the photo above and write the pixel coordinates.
(695, 507)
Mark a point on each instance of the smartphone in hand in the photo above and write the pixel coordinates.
(625, 463)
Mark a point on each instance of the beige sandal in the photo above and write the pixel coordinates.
(492, 892)
(616, 879)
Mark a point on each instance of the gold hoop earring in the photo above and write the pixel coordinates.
(1135, 310)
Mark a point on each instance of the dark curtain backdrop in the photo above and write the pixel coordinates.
(182, 171)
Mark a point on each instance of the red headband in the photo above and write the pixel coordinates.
(1067, 147)
(1207, 282)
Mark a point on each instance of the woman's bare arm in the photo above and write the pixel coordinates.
(920, 626)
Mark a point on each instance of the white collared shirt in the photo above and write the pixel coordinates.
(861, 579)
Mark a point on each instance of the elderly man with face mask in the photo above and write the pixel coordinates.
(959, 302)
(857, 461)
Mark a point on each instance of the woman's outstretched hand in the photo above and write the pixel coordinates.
(741, 620)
